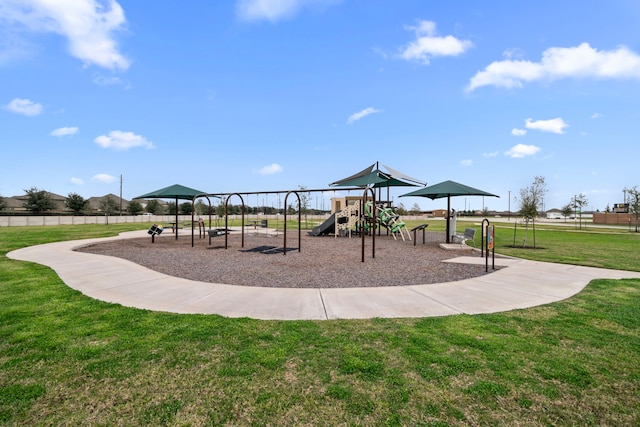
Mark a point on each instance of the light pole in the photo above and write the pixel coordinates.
(509, 214)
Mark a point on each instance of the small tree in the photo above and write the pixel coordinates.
(415, 209)
(185, 208)
(530, 200)
(154, 207)
(634, 203)
(108, 206)
(201, 208)
(76, 203)
(134, 208)
(172, 208)
(3, 203)
(400, 210)
(566, 211)
(38, 200)
(578, 202)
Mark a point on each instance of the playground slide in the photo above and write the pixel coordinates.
(327, 227)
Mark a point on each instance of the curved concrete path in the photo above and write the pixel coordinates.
(521, 284)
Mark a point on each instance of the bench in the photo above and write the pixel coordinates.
(469, 234)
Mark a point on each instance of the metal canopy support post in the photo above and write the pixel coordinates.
(363, 219)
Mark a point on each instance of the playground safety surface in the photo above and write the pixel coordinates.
(519, 284)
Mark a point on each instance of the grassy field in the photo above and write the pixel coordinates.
(66, 359)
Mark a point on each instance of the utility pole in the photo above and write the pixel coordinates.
(509, 215)
(120, 194)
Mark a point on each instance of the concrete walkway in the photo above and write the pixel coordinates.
(522, 284)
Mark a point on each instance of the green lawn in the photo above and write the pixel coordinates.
(66, 359)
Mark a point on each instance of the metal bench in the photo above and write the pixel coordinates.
(469, 234)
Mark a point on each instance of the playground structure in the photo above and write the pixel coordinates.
(386, 217)
(351, 220)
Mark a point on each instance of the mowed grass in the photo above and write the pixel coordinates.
(66, 359)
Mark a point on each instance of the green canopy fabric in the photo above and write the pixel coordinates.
(374, 177)
(177, 192)
(447, 189)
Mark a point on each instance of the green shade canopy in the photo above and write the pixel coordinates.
(374, 177)
(175, 191)
(447, 189)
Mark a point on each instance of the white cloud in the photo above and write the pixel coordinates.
(361, 114)
(556, 125)
(518, 132)
(274, 10)
(581, 61)
(466, 162)
(489, 155)
(88, 26)
(103, 178)
(101, 80)
(63, 131)
(26, 107)
(427, 44)
(119, 140)
(76, 181)
(269, 169)
(521, 150)
(596, 115)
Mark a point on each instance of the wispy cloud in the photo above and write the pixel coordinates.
(88, 25)
(275, 10)
(76, 181)
(466, 162)
(26, 107)
(596, 115)
(427, 44)
(64, 131)
(581, 61)
(121, 141)
(104, 178)
(556, 125)
(492, 154)
(518, 132)
(521, 150)
(361, 114)
(269, 169)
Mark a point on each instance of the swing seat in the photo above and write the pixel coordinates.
(215, 232)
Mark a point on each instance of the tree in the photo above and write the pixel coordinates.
(172, 208)
(134, 208)
(3, 203)
(566, 211)
(415, 209)
(185, 208)
(578, 202)
(38, 200)
(634, 202)
(530, 199)
(154, 207)
(76, 203)
(400, 210)
(201, 208)
(108, 206)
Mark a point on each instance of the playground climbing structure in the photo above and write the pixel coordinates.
(386, 217)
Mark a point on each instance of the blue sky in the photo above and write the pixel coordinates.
(257, 95)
